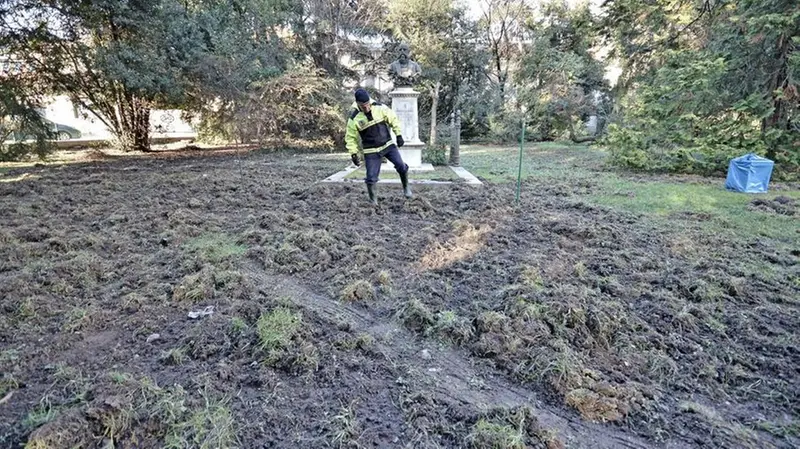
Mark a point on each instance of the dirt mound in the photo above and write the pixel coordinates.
(781, 205)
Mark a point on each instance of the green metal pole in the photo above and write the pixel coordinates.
(519, 173)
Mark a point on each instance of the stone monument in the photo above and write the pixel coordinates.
(404, 73)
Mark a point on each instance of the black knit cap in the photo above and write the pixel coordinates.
(362, 96)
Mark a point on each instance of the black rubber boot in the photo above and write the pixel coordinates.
(373, 199)
(406, 187)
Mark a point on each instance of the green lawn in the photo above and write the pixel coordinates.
(726, 210)
(546, 160)
(663, 198)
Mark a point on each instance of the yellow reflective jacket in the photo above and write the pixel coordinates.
(374, 134)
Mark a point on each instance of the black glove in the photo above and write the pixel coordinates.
(354, 158)
(400, 141)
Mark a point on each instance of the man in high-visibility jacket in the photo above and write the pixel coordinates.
(371, 121)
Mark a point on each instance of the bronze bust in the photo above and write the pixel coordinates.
(403, 71)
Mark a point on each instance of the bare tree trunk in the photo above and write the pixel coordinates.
(780, 116)
(134, 130)
(132, 125)
(142, 131)
(455, 135)
(434, 106)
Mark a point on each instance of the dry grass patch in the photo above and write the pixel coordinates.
(466, 242)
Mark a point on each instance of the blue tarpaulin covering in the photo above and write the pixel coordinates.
(749, 173)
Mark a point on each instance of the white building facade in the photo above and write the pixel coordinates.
(163, 123)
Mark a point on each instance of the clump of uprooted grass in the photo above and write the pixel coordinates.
(204, 284)
(290, 259)
(130, 411)
(304, 250)
(446, 324)
(8, 383)
(490, 435)
(237, 328)
(452, 328)
(81, 268)
(76, 319)
(539, 341)
(345, 430)
(174, 356)
(208, 426)
(515, 428)
(215, 248)
(52, 421)
(544, 342)
(384, 281)
(364, 342)
(417, 316)
(196, 287)
(307, 240)
(69, 429)
(359, 290)
(384, 278)
(366, 255)
(280, 337)
(276, 328)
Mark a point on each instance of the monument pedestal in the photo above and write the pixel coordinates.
(412, 157)
(404, 105)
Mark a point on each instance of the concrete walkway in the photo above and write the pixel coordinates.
(467, 177)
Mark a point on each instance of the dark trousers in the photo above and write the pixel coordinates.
(373, 163)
